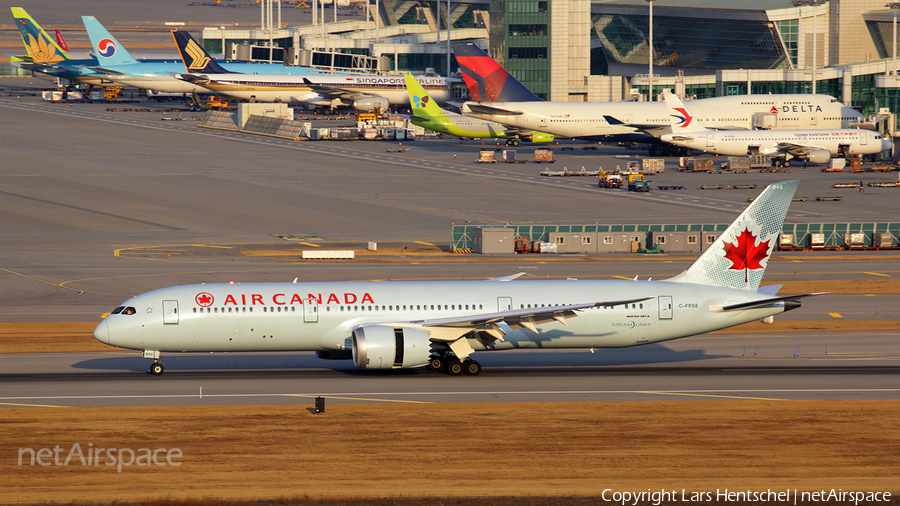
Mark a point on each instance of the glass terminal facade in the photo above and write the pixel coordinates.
(690, 43)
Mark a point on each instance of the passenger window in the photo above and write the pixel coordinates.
(195, 310)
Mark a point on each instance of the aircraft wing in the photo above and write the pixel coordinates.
(486, 109)
(334, 92)
(796, 149)
(520, 318)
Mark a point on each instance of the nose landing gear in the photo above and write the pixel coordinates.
(156, 368)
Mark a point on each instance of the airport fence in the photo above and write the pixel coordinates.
(801, 233)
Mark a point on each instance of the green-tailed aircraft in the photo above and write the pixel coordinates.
(427, 114)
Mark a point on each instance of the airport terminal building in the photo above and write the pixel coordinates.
(583, 50)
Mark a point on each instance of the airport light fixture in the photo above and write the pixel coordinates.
(814, 4)
(894, 6)
(650, 53)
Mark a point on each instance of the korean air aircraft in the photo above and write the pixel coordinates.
(815, 146)
(427, 114)
(117, 65)
(441, 324)
(498, 96)
(364, 92)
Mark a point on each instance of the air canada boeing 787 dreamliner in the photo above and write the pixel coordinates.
(440, 324)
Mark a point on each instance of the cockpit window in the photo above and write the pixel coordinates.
(124, 310)
(118, 310)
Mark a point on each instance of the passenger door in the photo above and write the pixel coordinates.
(170, 312)
(310, 311)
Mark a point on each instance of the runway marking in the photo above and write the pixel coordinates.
(311, 244)
(80, 292)
(877, 274)
(717, 396)
(836, 315)
(623, 277)
(31, 405)
(425, 243)
(358, 399)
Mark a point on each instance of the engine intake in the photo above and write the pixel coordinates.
(386, 347)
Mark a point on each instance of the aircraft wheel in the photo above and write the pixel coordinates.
(156, 369)
(435, 363)
(454, 367)
(472, 368)
(515, 142)
(787, 163)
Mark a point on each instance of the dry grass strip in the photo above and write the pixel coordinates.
(439, 450)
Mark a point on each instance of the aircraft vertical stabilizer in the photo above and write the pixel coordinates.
(682, 119)
(738, 258)
(421, 103)
(196, 59)
(106, 47)
(486, 80)
(40, 47)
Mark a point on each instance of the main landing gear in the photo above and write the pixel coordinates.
(452, 366)
(156, 368)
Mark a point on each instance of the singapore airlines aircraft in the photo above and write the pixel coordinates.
(815, 146)
(498, 96)
(427, 114)
(393, 325)
(363, 92)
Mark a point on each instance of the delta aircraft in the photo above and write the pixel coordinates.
(814, 146)
(427, 114)
(497, 96)
(363, 92)
(441, 324)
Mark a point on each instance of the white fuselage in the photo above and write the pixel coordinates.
(291, 89)
(773, 142)
(586, 120)
(322, 316)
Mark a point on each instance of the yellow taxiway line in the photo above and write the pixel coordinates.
(717, 396)
(358, 399)
(30, 405)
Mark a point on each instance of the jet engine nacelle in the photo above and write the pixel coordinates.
(369, 104)
(541, 137)
(819, 156)
(387, 347)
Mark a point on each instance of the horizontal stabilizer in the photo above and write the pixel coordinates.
(766, 302)
(101, 70)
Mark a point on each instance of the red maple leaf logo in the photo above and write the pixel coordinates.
(204, 299)
(745, 253)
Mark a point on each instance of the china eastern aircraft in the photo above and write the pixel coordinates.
(441, 324)
(814, 146)
(498, 96)
(427, 114)
(365, 92)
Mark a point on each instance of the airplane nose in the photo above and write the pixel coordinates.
(101, 333)
(886, 145)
